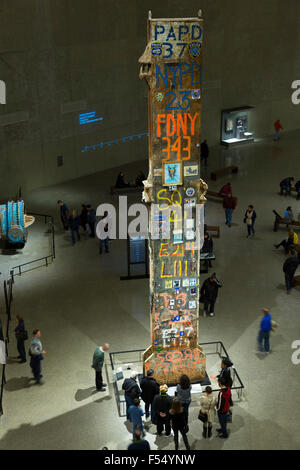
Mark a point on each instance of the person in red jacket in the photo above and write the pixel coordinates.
(225, 190)
(223, 405)
(229, 204)
(277, 127)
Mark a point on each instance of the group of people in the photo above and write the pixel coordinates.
(121, 183)
(286, 186)
(172, 413)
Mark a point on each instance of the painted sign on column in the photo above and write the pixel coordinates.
(172, 67)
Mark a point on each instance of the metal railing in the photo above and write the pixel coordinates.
(220, 350)
(7, 286)
(47, 258)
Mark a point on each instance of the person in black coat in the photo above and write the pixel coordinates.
(84, 217)
(20, 333)
(120, 182)
(140, 178)
(297, 187)
(225, 373)
(74, 222)
(208, 246)
(132, 391)
(204, 150)
(150, 389)
(209, 294)
(138, 443)
(289, 267)
(162, 404)
(178, 421)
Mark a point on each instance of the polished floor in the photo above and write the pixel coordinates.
(79, 302)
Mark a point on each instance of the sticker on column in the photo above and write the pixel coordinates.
(196, 94)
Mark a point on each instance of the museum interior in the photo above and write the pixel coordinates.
(84, 104)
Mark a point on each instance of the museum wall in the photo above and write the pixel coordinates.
(63, 58)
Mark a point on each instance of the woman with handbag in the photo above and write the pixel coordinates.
(183, 392)
(207, 411)
(21, 336)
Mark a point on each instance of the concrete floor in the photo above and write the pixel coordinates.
(79, 302)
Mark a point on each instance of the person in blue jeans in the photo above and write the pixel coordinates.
(20, 337)
(264, 332)
(229, 204)
(249, 219)
(36, 353)
(74, 222)
(135, 415)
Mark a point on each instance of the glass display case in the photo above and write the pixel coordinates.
(235, 126)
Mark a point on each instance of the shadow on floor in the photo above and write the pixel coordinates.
(83, 394)
(18, 383)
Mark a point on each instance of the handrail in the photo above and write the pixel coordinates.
(51, 255)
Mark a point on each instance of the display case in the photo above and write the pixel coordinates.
(236, 125)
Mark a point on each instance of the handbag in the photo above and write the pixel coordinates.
(204, 416)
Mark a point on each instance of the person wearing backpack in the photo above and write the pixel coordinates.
(132, 391)
(21, 337)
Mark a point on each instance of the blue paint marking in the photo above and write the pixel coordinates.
(116, 141)
(87, 118)
(184, 69)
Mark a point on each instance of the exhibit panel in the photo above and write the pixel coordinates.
(175, 194)
(235, 125)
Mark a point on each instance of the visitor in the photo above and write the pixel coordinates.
(224, 403)
(132, 391)
(288, 215)
(209, 294)
(150, 389)
(84, 217)
(64, 214)
(207, 247)
(140, 178)
(286, 184)
(263, 338)
(183, 392)
(162, 404)
(297, 187)
(225, 190)
(21, 337)
(289, 267)
(204, 152)
(226, 373)
(277, 127)
(36, 354)
(229, 204)
(289, 242)
(104, 241)
(249, 220)
(208, 407)
(91, 220)
(138, 443)
(97, 364)
(120, 183)
(135, 414)
(178, 422)
(74, 222)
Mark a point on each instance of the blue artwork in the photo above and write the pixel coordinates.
(172, 174)
(12, 224)
(87, 118)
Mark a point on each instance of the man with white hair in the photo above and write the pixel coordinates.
(132, 391)
(98, 361)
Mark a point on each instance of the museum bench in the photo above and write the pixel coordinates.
(212, 228)
(280, 221)
(223, 171)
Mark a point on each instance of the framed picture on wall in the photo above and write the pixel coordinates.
(172, 174)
